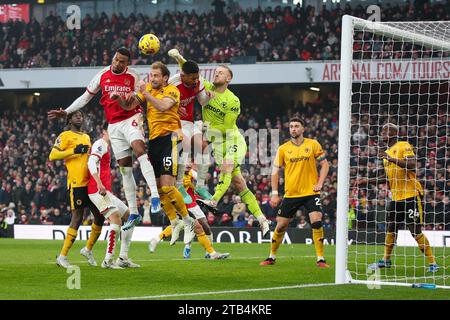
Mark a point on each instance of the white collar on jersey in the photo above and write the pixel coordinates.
(118, 74)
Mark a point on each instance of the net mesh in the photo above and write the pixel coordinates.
(404, 81)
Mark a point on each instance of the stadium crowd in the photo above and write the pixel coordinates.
(270, 34)
(33, 189)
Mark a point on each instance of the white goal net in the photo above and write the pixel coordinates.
(394, 186)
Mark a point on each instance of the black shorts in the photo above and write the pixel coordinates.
(406, 211)
(79, 199)
(289, 206)
(163, 153)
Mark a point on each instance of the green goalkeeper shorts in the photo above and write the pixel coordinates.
(233, 149)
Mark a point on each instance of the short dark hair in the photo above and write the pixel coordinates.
(297, 119)
(105, 125)
(70, 115)
(190, 67)
(124, 51)
(161, 66)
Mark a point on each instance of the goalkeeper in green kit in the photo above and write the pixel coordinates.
(219, 117)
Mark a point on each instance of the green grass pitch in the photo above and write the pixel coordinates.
(29, 272)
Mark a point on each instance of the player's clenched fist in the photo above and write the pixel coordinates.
(81, 148)
(142, 85)
(275, 200)
(114, 95)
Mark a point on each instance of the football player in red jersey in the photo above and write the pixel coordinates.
(111, 207)
(117, 83)
(191, 88)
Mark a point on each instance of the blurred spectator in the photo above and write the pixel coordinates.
(327, 223)
(225, 205)
(240, 222)
(211, 219)
(251, 221)
(5, 193)
(23, 219)
(10, 214)
(44, 217)
(3, 226)
(239, 208)
(268, 209)
(303, 224)
(41, 196)
(57, 218)
(225, 221)
(380, 211)
(270, 34)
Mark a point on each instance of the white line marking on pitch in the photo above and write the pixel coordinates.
(311, 285)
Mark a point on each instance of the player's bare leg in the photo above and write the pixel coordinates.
(277, 239)
(72, 231)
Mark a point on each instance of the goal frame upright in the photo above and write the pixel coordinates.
(349, 24)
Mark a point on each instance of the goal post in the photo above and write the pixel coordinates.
(399, 73)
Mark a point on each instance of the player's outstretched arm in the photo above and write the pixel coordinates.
(79, 103)
(175, 54)
(56, 113)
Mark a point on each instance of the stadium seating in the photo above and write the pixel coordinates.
(278, 34)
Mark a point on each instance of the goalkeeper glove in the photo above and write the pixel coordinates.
(81, 148)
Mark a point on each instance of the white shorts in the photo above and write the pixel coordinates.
(190, 129)
(123, 133)
(197, 212)
(108, 204)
